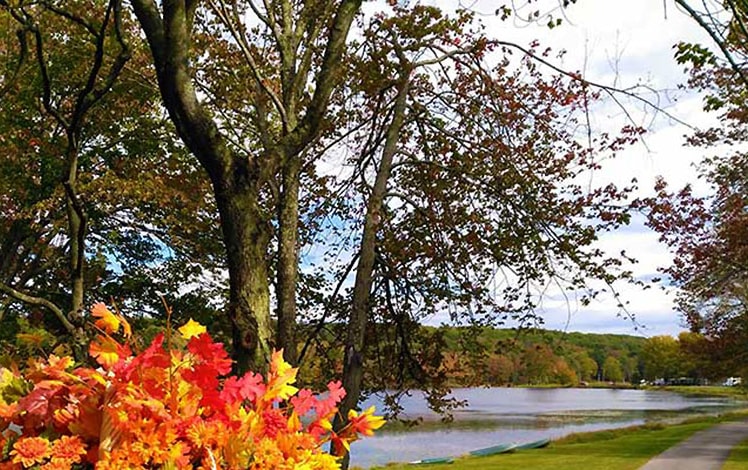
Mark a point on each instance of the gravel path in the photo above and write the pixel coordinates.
(705, 450)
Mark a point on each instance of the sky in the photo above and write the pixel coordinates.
(625, 44)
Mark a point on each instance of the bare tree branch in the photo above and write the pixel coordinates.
(29, 299)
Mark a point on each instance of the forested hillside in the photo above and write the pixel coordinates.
(536, 356)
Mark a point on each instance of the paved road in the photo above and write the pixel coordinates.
(705, 450)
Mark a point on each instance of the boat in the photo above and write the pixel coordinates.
(493, 450)
(540, 443)
(433, 460)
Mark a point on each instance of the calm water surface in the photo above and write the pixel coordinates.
(501, 415)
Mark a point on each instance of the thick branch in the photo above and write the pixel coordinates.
(328, 76)
(29, 299)
(169, 40)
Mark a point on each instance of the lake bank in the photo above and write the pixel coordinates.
(620, 449)
(502, 415)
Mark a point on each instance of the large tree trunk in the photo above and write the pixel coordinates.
(288, 260)
(236, 179)
(247, 233)
(353, 370)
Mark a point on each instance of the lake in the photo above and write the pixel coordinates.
(502, 415)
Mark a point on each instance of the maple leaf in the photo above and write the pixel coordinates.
(40, 403)
(191, 328)
(281, 376)
(365, 423)
(107, 351)
(328, 406)
(153, 357)
(249, 387)
(126, 329)
(107, 321)
(304, 401)
(210, 353)
(204, 376)
(336, 391)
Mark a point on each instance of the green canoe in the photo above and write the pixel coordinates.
(540, 443)
(433, 461)
(493, 450)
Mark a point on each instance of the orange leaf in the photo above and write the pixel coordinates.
(105, 350)
(107, 321)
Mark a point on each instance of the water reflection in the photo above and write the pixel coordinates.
(501, 415)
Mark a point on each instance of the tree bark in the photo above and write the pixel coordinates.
(288, 260)
(246, 235)
(236, 180)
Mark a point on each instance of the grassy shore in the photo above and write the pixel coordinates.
(620, 449)
(739, 393)
(738, 458)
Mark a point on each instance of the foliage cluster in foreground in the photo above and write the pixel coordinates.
(166, 407)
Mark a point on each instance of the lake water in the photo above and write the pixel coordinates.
(502, 415)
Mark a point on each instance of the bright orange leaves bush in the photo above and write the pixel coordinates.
(166, 408)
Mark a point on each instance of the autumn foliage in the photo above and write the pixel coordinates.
(166, 407)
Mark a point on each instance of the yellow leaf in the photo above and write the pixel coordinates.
(192, 328)
(281, 376)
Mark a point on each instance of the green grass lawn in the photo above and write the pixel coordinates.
(738, 458)
(739, 393)
(621, 449)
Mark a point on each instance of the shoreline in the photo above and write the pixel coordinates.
(623, 448)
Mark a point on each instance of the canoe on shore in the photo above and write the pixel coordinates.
(493, 450)
(540, 443)
(432, 461)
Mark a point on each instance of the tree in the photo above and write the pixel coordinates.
(538, 363)
(67, 99)
(564, 374)
(660, 358)
(581, 362)
(500, 369)
(293, 48)
(707, 234)
(611, 370)
(467, 169)
(695, 359)
(71, 108)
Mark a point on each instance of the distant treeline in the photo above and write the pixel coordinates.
(500, 357)
(462, 356)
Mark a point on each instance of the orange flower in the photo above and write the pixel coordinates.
(30, 450)
(53, 465)
(68, 449)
